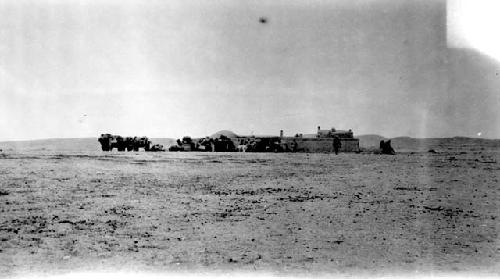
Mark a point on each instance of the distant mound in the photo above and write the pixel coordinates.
(67, 144)
(444, 144)
(227, 133)
(408, 144)
(400, 144)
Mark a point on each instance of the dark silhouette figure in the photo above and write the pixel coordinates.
(293, 145)
(336, 144)
(386, 148)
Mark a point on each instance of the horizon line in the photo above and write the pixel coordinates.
(362, 135)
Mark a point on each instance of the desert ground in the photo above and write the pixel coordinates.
(413, 213)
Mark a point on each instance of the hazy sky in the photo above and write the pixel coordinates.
(175, 68)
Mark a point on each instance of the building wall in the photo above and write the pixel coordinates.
(323, 144)
(350, 145)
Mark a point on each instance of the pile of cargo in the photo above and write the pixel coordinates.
(207, 144)
(109, 142)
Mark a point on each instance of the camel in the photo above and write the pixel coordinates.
(386, 148)
(242, 148)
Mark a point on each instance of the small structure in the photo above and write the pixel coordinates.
(333, 133)
(323, 141)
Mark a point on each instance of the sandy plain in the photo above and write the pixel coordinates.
(288, 214)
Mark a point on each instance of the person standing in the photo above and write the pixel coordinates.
(336, 144)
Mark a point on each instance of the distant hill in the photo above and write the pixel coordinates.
(444, 144)
(400, 144)
(227, 133)
(367, 141)
(425, 144)
(66, 144)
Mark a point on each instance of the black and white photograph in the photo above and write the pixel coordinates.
(249, 138)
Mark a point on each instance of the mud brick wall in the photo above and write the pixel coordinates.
(349, 145)
(324, 145)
